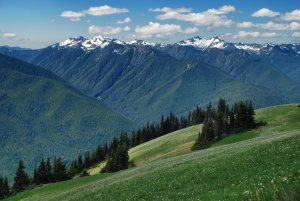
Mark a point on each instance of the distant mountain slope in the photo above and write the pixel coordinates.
(251, 64)
(23, 54)
(117, 75)
(139, 81)
(42, 116)
(199, 85)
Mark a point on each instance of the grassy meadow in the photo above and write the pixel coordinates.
(262, 164)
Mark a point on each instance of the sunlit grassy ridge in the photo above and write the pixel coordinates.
(173, 144)
(266, 167)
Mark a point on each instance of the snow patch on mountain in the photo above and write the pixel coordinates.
(248, 47)
(203, 43)
(101, 42)
(197, 42)
(140, 42)
(70, 42)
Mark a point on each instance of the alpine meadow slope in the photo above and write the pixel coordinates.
(43, 116)
(262, 167)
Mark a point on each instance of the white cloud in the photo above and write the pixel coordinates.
(191, 30)
(157, 30)
(251, 34)
(290, 16)
(127, 28)
(168, 9)
(94, 11)
(246, 34)
(9, 35)
(296, 34)
(105, 10)
(265, 12)
(245, 25)
(105, 30)
(295, 26)
(273, 26)
(222, 10)
(125, 21)
(211, 17)
(73, 16)
(270, 34)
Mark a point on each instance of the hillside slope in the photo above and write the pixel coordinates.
(42, 116)
(240, 170)
(200, 84)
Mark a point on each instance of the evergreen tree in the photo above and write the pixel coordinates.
(105, 150)
(100, 155)
(73, 169)
(87, 159)
(80, 163)
(49, 174)
(220, 118)
(42, 173)
(231, 119)
(208, 129)
(162, 128)
(241, 117)
(21, 180)
(250, 116)
(118, 155)
(35, 176)
(59, 171)
(4, 188)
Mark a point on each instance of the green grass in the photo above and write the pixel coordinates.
(60, 187)
(283, 118)
(173, 144)
(265, 167)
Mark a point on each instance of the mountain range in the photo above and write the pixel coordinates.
(143, 80)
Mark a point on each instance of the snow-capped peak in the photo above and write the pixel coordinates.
(71, 41)
(88, 44)
(203, 43)
(140, 42)
(248, 47)
(97, 41)
(100, 42)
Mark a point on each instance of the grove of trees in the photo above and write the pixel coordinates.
(223, 121)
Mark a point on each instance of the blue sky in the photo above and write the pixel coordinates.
(39, 23)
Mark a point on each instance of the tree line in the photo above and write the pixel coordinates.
(166, 125)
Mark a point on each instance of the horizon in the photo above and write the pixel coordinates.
(171, 43)
(32, 24)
